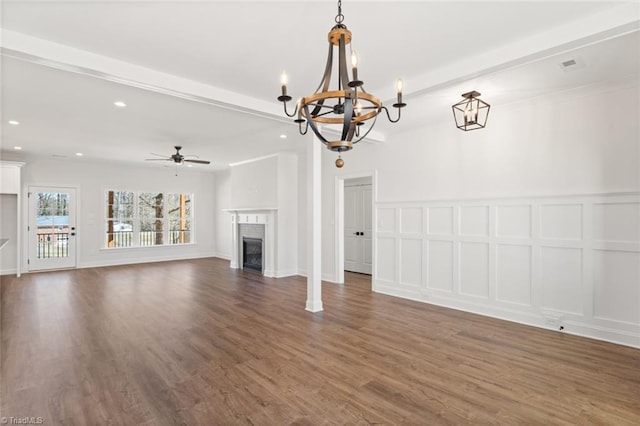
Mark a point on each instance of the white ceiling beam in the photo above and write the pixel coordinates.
(55, 55)
(610, 23)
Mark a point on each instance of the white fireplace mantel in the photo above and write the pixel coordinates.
(264, 216)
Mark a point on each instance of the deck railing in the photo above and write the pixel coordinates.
(56, 244)
(53, 244)
(147, 238)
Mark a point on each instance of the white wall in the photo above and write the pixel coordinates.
(263, 183)
(557, 150)
(222, 218)
(93, 178)
(287, 231)
(255, 184)
(8, 223)
(302, 208)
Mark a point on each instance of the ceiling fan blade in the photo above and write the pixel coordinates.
(197, 161)
(157, 155)
(158, 159)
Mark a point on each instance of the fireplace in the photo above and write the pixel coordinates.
(254, 224)
(252, 254)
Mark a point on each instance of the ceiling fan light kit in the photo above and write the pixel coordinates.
(347, 106)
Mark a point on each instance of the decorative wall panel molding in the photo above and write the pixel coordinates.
(411, 262)
(386, 220)
(561, 221)
(569, 263)
(440, 221)
(474, 221)
(411, 221)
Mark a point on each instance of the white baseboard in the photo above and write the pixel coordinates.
(8, 271)
(224, 256)
(314, 306)
(527, 318)
(330, 278)
(133, 261)
(285, 273)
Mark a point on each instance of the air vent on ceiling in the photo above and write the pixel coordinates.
(571, 64)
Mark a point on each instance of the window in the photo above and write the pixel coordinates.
(179, 218)
(150, 208)
(120, 211)
(142, 219)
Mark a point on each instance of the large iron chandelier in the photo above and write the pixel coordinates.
(349, 106)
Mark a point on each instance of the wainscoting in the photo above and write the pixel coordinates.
(568, 263)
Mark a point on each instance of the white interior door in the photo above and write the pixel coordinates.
(52, 228)
(358, 230)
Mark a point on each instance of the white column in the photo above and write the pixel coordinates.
(314, 229)
(234, 240)
(270, 236)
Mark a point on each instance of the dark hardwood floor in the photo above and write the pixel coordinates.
(197, 343)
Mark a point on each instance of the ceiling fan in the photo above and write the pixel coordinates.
(178, 158)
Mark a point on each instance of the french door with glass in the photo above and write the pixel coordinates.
(52, 228)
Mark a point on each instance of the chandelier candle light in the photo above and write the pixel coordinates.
(349, 106)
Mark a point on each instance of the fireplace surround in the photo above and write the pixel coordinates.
(257, 224)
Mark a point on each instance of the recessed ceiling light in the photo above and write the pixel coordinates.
(120, 104)
(14, 122)
(283, 136)
(17, 148)
(78, 154)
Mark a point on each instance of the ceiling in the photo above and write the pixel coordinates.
(205, 74)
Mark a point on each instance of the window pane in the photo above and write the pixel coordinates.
(150, 208)
(52, 221)
(120, 211)
(119, 234)
(179, 210)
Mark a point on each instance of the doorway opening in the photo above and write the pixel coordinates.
(355, 198)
